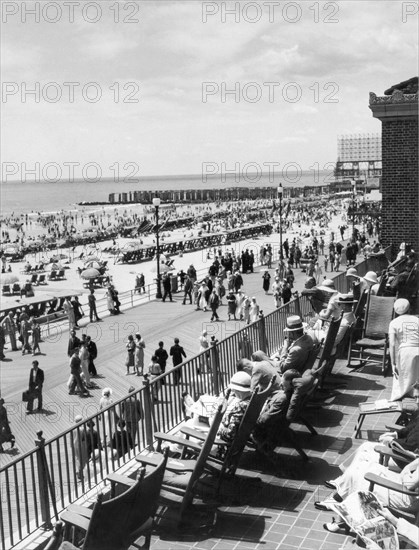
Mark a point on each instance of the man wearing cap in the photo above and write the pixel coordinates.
(240, 386)
(297, 346)
(261, 373)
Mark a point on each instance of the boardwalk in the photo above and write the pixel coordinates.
(154, 321)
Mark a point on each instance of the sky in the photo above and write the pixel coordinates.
(150, 80)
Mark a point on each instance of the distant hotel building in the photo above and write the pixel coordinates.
(359, 156)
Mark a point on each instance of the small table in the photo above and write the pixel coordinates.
(378, 407)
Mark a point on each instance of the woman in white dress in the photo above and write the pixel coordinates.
(202, 303)
(254, 310)
(69, 311)
(108, 416)
(404, 350)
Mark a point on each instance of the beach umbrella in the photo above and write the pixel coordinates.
(92, 258)
(90, 273)
(9, 279)
(164, 268)
(92, 263)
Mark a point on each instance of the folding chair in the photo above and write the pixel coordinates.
(106, 526)
(139, 503)
(379, 313)
(34, 279)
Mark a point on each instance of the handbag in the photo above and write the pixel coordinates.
(25, 396)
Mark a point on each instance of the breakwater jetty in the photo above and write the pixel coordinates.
(214, 195)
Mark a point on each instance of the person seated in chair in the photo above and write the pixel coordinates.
(261, 373)
(272, 421)
(241, 392)
(297, 346)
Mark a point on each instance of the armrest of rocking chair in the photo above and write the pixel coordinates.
(120, 480)
(395, 427)
(386, 452)
(398, 487)
(197, 434)
(173, 465)
(80, 510)
(162, 437)
(75, 520)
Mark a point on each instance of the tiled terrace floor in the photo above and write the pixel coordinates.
(278, 511)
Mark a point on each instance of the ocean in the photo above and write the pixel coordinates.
(19, 197)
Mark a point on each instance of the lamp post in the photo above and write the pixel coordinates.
(280, 191)
(156, 204)
(353, 183)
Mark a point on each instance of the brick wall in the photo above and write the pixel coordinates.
(400, 182)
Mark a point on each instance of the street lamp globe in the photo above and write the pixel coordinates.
(156, 201)
(280, 190)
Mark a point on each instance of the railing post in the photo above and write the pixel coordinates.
(43, 480)
(148, 412)
(215, 366)
(298, 305)
(262, 333)
(132, 297)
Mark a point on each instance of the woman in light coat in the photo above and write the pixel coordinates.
(404, 350)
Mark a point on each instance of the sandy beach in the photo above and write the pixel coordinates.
(123, 275)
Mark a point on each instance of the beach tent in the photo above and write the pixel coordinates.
(90, 273)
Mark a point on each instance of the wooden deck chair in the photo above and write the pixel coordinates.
(107, 526)
(379, 313)
(53, 275)
(6, 289)
(41, 280)
(227, 466)
(34, 279)
(411, 516)
(61, 274)
(325, 363)
(179, 488)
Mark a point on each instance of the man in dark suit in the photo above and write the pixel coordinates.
(92, 349)
(36, 381)
(177, 352)
(73, 343)
(297, 346)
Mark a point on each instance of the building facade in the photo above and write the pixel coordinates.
(398, 112)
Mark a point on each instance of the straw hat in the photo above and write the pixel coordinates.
(106, 392)
(352, 272)
(240, 381)
(371, 277)
(78, 418)
(294, 322)
(401, 306)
